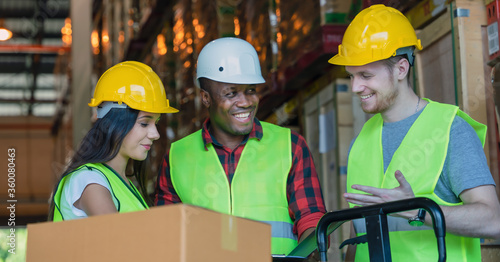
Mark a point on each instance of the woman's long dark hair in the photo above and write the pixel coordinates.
(102, 143)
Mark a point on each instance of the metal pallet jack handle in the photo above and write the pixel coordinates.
(377, 230)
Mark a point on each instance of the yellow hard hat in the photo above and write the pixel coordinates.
(376, 33)
(134, 84)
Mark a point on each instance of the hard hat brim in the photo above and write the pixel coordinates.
(344, 61)
(239, 79)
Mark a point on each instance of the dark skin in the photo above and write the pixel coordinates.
(232, 109)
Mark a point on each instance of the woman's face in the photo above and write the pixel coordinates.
(138, 141)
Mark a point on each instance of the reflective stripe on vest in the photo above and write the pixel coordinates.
(128, 197)
(420, 157)
(258, 188)
(281, 229)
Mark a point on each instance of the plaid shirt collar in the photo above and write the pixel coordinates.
(209, 139)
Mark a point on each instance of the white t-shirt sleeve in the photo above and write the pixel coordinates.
(74, 187)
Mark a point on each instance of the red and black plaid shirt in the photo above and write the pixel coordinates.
(305, 199)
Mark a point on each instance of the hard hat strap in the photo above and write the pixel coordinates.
(408, 51)
(105, 106)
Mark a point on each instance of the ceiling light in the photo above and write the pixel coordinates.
(5, 34)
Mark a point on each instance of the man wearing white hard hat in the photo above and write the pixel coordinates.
(236, 164)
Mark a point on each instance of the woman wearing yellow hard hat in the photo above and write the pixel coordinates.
(130, 98)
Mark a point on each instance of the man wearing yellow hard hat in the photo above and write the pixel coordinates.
(413, 147)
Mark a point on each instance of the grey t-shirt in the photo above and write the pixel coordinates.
(465, 165)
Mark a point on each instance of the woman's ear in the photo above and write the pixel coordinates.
(205, 98)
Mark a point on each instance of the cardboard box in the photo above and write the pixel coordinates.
(425, 11)
(169, 233)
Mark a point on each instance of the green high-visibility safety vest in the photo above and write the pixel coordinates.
(258, 188)
(420, 158)
(129, 198)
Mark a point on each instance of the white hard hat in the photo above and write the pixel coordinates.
(229, 60)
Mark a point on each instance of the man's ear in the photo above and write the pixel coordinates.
(403, 67)
(205, 98)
